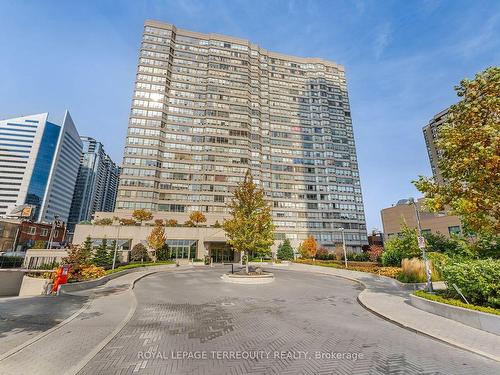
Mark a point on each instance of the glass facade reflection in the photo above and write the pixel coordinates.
(43, 163)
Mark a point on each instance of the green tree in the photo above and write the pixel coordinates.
(400, 247)
(102, 256)
(142, 215)
(250, 227)
(86, 250)
(469, 144)
(139, 253)
(163, 253)
(285, 250)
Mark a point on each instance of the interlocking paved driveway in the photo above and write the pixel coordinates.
(196, 313)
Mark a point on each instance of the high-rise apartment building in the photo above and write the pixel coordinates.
(96, 184)
(430, 135)
(38, 165)
(208, 107)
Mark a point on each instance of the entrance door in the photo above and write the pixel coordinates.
(222, 254)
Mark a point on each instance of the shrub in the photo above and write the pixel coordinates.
(375, 252)
(438, 260)
(11, 262)
(322, 253)
(105, 221)
(413, 271)
(39, 244)
(171, 223)
(142, 215)
(139, 253)
(91, 272)
(479, 280)
(128, 222)
(285, 250)
(357, 257)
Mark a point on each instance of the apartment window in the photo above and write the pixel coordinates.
(454, 229)
(32, 230)
(44, 232)
(426, 231)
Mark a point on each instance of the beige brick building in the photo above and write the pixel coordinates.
(393, 217)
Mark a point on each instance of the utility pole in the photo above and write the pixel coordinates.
(421, 245)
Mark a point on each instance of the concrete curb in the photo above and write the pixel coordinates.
(402, 325)
(41, 335)
(472, 318)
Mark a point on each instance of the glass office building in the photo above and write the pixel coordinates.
(38, 165)
(208, 107)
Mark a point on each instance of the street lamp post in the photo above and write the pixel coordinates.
(116, 246)
(51, 235)
(421, 244)
(343, 245)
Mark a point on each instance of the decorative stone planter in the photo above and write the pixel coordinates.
(263, 278)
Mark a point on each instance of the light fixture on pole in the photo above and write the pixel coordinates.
(421, 245)
(116, 245)
(343, 245)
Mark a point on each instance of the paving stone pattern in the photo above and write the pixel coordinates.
(290, 326)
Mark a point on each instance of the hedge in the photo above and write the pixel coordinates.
(478, 280)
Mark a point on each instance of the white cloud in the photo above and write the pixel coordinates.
(383, 37)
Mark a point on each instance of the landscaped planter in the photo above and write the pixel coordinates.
(476, 319)
(82, 285)
(236, 278)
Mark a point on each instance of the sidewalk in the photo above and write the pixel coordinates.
(387, 298)
(71, 344)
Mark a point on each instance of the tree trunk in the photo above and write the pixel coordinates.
(246, 263)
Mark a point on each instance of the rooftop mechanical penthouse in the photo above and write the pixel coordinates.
(208, 107)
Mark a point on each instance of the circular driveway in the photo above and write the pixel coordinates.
(191, 322)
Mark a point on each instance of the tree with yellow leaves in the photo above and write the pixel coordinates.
(197, 217)
(308, 247)
(469, 143)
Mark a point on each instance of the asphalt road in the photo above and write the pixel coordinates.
(191, 322)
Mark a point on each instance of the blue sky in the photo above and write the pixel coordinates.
(402, 60)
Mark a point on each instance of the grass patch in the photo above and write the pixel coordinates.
(137, 265)
(456, 302)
